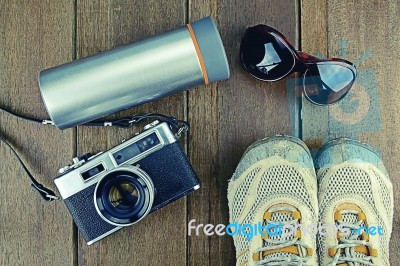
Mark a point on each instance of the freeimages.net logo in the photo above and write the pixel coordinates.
(358, 112)
(279, 229)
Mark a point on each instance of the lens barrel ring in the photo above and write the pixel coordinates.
(127, 176)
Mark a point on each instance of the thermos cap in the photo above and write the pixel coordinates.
(211, 49)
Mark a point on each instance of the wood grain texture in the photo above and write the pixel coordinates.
(364, 27)
(226, 117)
(314, 41)
(160, 238)
(33, 37)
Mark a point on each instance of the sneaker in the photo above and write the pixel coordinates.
(274, 183)
(355, 195)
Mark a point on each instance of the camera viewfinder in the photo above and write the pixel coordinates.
(92, 172)
(136, 148)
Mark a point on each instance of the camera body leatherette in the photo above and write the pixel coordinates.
(172, 175)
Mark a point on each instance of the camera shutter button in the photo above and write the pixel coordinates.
(63, 170)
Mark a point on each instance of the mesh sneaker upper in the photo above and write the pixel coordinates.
(272, 173)
(352, 175)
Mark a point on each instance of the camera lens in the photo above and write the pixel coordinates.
(124, 196)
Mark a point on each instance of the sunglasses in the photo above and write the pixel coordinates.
(268, 56)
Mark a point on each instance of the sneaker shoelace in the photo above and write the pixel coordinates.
(282, 250)
(355, 247)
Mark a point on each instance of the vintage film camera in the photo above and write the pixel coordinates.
(121, 186)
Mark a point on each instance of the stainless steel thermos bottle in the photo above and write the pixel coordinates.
(133, 74)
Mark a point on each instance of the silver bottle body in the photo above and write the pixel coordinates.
(126, 76)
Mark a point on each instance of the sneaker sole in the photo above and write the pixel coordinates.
(278, 137)
(339, 141)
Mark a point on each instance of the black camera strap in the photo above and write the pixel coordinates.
(125, 122)
(46, 193)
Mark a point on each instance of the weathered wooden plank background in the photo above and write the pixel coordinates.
(226, 117)
(33, 37)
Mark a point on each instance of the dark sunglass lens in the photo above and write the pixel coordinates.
(328, 82)
(264, 55)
